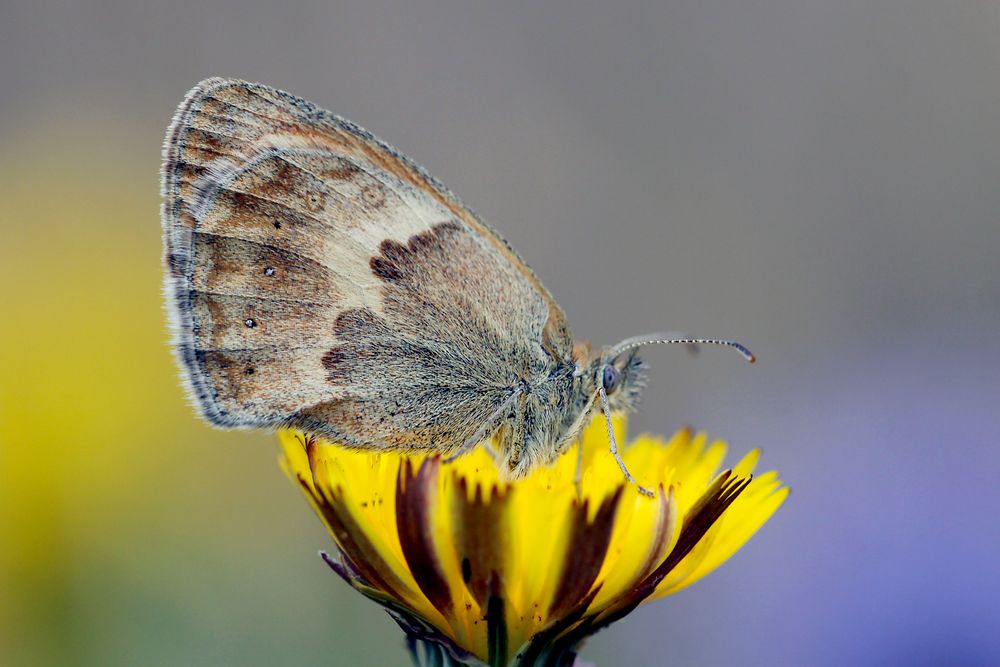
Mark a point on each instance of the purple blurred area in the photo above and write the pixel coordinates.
(817, 179)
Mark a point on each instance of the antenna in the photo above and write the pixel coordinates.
(672, 338)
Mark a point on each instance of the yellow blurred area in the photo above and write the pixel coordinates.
(130, 533)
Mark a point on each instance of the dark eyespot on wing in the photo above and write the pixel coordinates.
(247, 268)
(241, 398)
(221, 323)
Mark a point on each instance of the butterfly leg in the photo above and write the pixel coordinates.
(484, 429)
(614, 444)
(492, 452)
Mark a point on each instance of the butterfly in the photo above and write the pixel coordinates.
(319, 279)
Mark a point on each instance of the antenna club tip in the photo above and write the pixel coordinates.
(752, 358)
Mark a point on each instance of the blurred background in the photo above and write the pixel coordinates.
(816, 178)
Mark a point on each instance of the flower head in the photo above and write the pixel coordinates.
(478, 570)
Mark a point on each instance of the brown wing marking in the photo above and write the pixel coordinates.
(446, 351)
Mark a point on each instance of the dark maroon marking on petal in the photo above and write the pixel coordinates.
(585, 552)
(481, 539)
(346, 572)
(549, 646)
(564, 636)
(353, 543)
(415, 626)
(426, 644)
(660, 539)
(567, 639)
(414, 493)
(496, 624)
(702, 516)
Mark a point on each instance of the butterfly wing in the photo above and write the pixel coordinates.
(318, 278)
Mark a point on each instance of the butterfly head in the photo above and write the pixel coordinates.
(622, 376)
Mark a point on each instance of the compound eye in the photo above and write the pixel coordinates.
(610, 377)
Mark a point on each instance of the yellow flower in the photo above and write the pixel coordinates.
(477, 570)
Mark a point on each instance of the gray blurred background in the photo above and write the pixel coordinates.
(816, 178)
